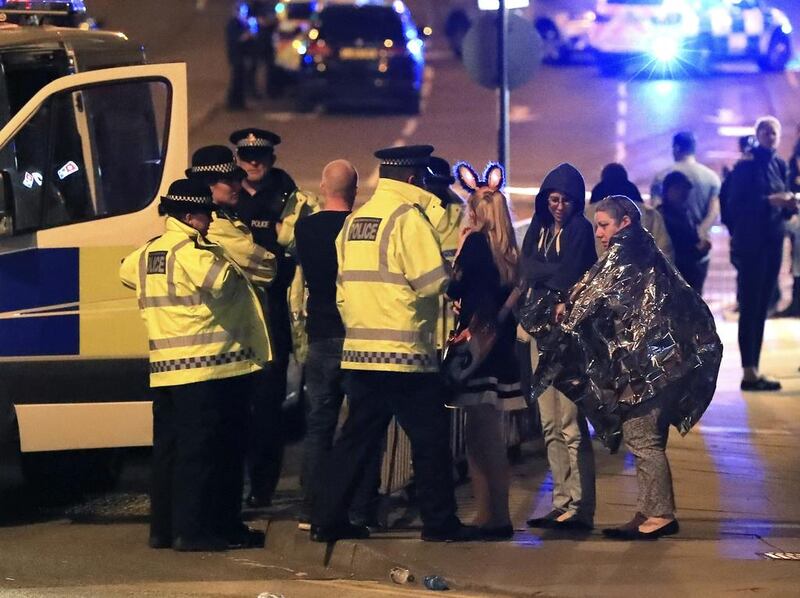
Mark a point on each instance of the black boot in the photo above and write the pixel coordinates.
(793, 309)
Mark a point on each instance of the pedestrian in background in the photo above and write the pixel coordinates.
(391, 274)
(316, 251)
(758, 205)
(614, 181)
(485, 277)
(557, 251)
(793, 230)
(237, 38)
(214, 166)
(691, 252)
(703, 206)
(207, 337)
(266, 192)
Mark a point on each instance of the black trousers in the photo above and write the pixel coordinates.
(757, 280)
(417, 401)
(265, 452)
(236, 87)
(198, 459)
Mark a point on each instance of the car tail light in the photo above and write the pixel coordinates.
(319, 50)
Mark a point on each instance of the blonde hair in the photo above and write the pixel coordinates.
(492, 217)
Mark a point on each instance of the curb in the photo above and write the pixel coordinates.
(347, 558)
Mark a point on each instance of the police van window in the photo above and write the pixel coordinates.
(90, 153)
(27, 72)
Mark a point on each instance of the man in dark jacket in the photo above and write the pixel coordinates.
(758, 204)
(557, 251)
(265, 193)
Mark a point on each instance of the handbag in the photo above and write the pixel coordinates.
(465, 351)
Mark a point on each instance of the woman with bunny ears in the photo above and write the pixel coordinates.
(557, 251)
(484, 281)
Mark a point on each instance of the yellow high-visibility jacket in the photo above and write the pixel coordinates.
(448, 232)
(203, 317)
(391, 274)
(235, 237)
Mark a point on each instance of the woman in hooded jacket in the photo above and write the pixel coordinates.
(557, 251)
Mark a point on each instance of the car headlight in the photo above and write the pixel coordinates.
(665, 49)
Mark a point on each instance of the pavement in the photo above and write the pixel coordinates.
(736, 478)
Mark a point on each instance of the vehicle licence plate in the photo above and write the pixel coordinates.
(358, 53)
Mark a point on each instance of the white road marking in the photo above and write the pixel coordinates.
(735, 130)
(285, 117)
(411, 125)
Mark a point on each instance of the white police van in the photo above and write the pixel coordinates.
(90, 136)
(688, 36)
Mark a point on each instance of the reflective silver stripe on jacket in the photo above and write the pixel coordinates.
(171, 268)
(166, 301)
(383, 274)
(213, 273)
(423, 281)
(383, 357)
(189, 363)
(191, 340)
(385, 334)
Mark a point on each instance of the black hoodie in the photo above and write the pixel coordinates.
(558, 265)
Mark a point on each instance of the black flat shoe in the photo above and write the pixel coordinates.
(546, 521)
(634, 534)
(630, 526)
(247, 538)
(345, 531)
(255, 501)
(460, 533)
(207, 544)
(497, 534)
(761, 384)
(159, 542)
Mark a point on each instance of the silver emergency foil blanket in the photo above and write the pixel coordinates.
(635, 331)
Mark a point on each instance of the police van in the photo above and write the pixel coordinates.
(688, 36)
(90, 136)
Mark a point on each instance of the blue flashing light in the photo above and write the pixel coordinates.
(280, 7)
(415, 47)
(787, 28)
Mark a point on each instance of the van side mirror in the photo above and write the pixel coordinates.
(6, 203)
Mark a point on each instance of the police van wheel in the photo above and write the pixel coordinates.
(778, 53)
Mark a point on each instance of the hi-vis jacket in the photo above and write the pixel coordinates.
(448, 231)
(203, 317)
(391, 274)
(235, 237)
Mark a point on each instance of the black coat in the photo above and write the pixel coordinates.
(751, 218)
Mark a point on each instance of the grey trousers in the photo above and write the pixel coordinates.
(569, 451)
(645, 431)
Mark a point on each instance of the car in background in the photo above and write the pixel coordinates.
(674, 37)
(365, 53)
(56, 13)
(293, 22)
(563, 26)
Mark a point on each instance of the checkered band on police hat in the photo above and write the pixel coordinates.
(405, 156)
(254, 138)
(226, 168)
(188, 193)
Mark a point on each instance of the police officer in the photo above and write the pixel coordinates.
(207, 335)
(267, 191)
(214, 166)
(238, 39)
(448, 231)
(391, 274)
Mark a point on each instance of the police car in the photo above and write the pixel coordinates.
(688, 36)
(71, 13)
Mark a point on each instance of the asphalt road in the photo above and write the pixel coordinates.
(564, 114)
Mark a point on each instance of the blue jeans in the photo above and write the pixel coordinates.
(325, 393)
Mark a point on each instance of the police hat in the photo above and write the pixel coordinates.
(214, 162)
(407, 156)
(440, 171)
(255, 143)
(187, 195)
